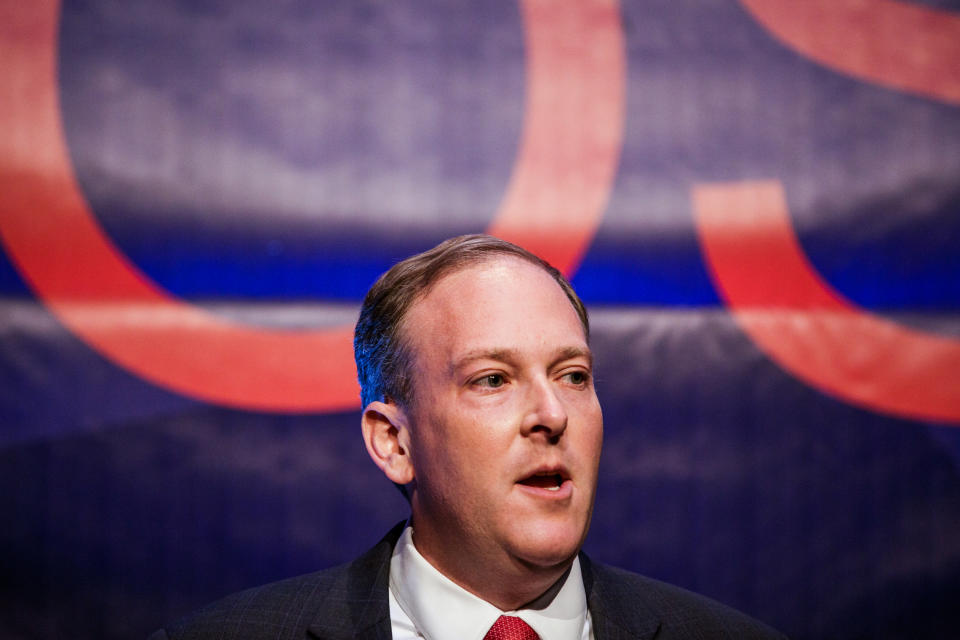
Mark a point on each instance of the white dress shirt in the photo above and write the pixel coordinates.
(426, 605)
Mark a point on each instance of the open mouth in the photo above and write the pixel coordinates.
(550, 480)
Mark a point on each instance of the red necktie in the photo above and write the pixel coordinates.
(511, 628)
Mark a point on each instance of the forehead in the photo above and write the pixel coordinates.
(501, 303)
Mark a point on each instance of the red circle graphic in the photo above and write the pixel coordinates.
(803, 324)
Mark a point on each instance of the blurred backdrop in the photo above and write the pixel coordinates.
(758, 200)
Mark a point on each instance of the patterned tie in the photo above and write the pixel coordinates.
(511, 628)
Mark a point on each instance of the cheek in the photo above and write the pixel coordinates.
(470, 453)
(447, 444)
(583, 404)
(590, 417)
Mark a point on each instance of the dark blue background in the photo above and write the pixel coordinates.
(250, 156)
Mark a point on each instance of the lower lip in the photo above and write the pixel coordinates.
(564, 491)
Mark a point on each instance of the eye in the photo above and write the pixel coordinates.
(490, 381)
(578, 377)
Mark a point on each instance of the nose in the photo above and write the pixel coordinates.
(546, 412)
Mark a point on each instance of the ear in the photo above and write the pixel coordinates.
(387, 437)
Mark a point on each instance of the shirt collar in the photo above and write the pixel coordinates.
(439, 608)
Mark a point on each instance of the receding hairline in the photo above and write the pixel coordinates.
(476, 261)
(480, 260)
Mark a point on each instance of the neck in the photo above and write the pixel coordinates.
(507, 583)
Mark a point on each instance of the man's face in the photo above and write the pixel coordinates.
(505, 425)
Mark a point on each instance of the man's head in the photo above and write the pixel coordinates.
(494, 427)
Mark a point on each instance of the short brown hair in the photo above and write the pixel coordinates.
(382, 355)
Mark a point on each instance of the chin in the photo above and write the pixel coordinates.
(549, 545)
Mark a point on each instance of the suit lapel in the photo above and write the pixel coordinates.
(357, 604)
(615, 612)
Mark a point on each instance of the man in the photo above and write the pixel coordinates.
(477, 386)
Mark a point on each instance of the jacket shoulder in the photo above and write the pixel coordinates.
(341, 602)
(626, 601)
(277, 610)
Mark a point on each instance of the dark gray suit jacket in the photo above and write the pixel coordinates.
(351, 601)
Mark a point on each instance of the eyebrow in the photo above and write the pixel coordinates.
(569, 353)
(511, 356)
